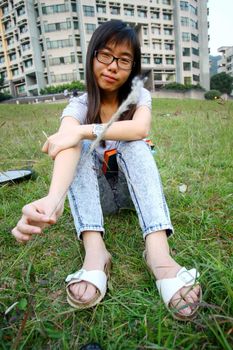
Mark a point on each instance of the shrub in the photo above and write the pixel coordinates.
(4, 96)
(222, 82)
(212, 95)
(182, 87)
(52, 89)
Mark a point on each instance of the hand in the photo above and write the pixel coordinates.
(37, 216)
(61, 141)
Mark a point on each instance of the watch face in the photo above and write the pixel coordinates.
(97, 130)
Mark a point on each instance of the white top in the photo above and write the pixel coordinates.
(77, 108)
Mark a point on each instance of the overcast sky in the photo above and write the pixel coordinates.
(221, 24)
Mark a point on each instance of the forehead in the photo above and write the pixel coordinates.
(124, 47)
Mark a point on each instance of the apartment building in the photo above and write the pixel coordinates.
(44, 42)
(225, 64)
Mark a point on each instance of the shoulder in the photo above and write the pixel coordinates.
(76, 108)
(144, 98)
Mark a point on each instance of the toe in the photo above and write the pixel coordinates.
(179, 304)
(89, 294)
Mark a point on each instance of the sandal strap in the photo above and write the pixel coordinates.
(96, 277)
(167, 287)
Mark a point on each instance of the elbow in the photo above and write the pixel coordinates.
(143, 133)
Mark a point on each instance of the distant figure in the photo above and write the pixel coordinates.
(66, 93)
(75, 93)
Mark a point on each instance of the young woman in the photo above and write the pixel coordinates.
(113, 60)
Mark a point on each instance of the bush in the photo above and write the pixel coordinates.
(4, 96)
(222, 82)
(212, 95)
(182, 87)
(75, 85)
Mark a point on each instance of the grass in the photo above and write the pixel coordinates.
(194, 147)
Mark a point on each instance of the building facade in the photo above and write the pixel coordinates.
(225, 64)
(44, 42)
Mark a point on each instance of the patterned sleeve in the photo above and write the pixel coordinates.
(144, 99)
(77, 108)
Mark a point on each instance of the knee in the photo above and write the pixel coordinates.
(131, 146)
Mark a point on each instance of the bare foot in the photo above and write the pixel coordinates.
(94, 260)
(168, 268)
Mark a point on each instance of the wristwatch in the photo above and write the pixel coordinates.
(97, 130)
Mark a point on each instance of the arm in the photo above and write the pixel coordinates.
(128, 130)
(45, 211)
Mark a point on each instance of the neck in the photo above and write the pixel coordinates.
(109, 98)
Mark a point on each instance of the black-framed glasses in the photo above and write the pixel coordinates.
(107, 58)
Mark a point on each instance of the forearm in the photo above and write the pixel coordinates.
(122, 130)
(63, 172)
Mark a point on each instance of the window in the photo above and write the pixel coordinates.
(21, 11)
(169, 60)
(59, 44)
(2, 59)
(195, 51)
(12, 56)
(115, 10)
(28, 63)
(185, 36)
(184, 5)
(156, 30)
(61, 60)
(158, 60)
(193, 9)
(146, 43)
(100, 9)
(195, 64)
(142, 13)
(193, 23)
(25, 46)
(46, 10)
(186, 51)
(185, 21)
(145, 30)
(89, 11)
(145, 60)
(10, 40)
(187, 80)
(154, 14)
(15, 72)
(53, 27)
(196, 78)
(167, 31)
(157, 45)
(129, 12)
(194, 38)
(168, 46)
(90, 28)
(167, 16)
(166, 2)
(73, 7)
(186, 66)
(158, 76)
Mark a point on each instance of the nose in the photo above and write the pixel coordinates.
(114, 64)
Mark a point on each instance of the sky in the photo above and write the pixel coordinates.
(221, 24)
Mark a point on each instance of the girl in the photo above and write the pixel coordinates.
(113, 60)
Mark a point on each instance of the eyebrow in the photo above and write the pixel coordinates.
(125, 53)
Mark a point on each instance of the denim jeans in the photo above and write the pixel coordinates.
(137, 184)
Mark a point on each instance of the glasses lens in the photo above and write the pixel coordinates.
(125, 63)
(104, 57)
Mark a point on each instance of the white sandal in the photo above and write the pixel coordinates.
(167, 287)
(97, 278)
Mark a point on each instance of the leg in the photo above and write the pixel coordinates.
(86, 209)
(146, 191)
(164, 266)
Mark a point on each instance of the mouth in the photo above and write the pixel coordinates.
(108, 78)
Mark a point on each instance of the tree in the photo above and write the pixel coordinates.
(222, 82)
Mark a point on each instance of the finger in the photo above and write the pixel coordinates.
(31, 213)
(21, 238)
(28, 229)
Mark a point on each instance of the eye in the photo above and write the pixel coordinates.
(105, 55)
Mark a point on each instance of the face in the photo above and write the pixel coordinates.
(110, 77)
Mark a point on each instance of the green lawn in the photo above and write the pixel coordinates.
(194, 147)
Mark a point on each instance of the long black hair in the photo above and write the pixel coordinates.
(117, 32)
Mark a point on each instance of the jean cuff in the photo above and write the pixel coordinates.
(160, 227)
(84, 228)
